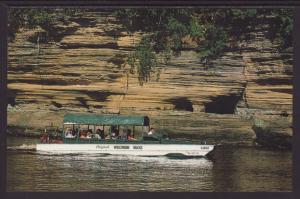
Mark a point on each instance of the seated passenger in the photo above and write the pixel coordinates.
(151, 132)
(89, 134)
(69, 135)
(82, 135)
(124, 134)
(74, 132)
(107, 137)
(100, 133)
(68, 131)
(129, 137)
(44, 138)
(115, 132)
(113, 136)
(96, 136)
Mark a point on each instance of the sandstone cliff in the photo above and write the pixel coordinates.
(82, 71)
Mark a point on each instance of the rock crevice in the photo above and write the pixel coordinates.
(81, 71)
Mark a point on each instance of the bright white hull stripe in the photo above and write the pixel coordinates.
(128, 149)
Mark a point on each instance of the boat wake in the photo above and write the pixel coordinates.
(23, 147)
(120, 159)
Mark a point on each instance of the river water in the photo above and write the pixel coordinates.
(233, 169)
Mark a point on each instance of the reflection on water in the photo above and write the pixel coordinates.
(230, 169)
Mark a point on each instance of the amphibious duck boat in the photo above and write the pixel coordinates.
(115, 134)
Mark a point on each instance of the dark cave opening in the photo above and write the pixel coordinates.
(57, 105)
(83, 102)
(12, 94)
(224, 104)
(275, 81)
(181, 103)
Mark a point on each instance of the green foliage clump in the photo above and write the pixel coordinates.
(213, 30)
(197, 30)
(282, 27)
(168, 30)
(165, 27)
(177, 31)
(32, 18)
(143, 60)
(214, 44)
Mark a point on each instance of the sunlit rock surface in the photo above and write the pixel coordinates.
(82, 71)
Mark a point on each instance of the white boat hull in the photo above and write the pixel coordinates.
(129, 149)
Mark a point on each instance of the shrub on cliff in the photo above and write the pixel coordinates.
(213, 30)
(168, 31)
(32, 18)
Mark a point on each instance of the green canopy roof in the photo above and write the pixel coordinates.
(96, 119)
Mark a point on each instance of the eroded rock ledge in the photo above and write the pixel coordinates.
(82, 72)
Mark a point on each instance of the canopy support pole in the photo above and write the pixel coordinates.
(133, 130)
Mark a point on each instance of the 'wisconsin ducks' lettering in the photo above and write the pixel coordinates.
(121, 147)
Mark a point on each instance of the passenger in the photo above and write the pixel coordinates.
(107, 137)
(115, 132)
(68, 131)
(96, 136)
(82, 135)
(151, 132)
(129, 137)
(69, 135)
(102, 134)
(124, 134)
(117, 136)
(74, 132)
(43, 138)
(89, 134)
(113, 136)
(50, 138)
(98, 131)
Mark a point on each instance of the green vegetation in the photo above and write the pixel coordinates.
(168, 31)
(33, 18)
(142, 60)
(213, 31)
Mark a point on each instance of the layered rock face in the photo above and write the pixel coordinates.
(82, 71)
